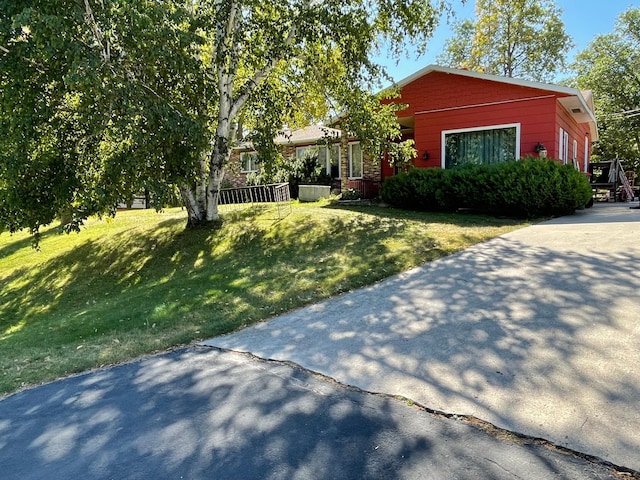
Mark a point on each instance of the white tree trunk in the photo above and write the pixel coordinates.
(194, 212)
(213, 194)
(202, 205)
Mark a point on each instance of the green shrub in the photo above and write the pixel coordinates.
(416, 189)
(351, 194)
(526, 188)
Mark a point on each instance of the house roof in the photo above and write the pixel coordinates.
(578, 104)
(300, 136)
(307, 135)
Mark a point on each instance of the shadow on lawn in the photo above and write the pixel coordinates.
(174, 276)
(460, 219)
(12, 247)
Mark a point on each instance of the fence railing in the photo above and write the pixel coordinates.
(276, 194)
(367, 188)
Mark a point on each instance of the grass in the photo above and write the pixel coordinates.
(140, 283)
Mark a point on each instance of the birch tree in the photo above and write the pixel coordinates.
(101, 98)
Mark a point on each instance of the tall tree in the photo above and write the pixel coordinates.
(610, 67)
(513, 38)
(101, 98)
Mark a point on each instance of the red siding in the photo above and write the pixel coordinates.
(576, 132)
(437, 90)
(536, 126)
(440, 101)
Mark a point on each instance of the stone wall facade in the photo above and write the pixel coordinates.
(371, 171)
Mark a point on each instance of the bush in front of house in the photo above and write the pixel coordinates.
(526, 188)
(417, 189)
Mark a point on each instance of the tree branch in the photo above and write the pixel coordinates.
(97, 34)
(262, 74)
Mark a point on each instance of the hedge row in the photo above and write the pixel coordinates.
(526, 188)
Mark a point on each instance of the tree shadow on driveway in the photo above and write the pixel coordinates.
(204, 413)
(534, 340)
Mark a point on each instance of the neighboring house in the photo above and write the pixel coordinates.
(342, 158)
(458, 116)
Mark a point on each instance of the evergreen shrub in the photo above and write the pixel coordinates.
(526, 188)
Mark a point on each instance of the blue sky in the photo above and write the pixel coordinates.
(583, 20)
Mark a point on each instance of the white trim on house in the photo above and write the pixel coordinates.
(586, 153)
(444, 133)
(485, 76)
(350, 160)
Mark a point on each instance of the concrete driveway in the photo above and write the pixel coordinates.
(536, 331)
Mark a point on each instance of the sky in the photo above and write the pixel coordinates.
(583, 20)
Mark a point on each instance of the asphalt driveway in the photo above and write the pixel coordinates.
(536, 331)
(202, 413)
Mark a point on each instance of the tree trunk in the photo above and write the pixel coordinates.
(194, 212)
(213, 193)
(201, 200)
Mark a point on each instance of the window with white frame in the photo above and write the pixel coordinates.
(586, 153)
(249, 162)
(328, 157)
(575, 155)
(355, 160)
(563, 146)
(482, 145)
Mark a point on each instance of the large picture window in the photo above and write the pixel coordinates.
(355, 160)
(484, 145)
(328, 157)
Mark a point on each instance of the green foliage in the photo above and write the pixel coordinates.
(103, 99)
(526, 188)
(90, 115)
(351, 194)
(303, 170)
(609, 67)
(522, 38)
(416, 189)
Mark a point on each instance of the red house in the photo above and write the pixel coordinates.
(459, 116)
(456, 117)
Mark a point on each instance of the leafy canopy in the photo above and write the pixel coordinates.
(512, 38)
(104, 98)
(610, 67)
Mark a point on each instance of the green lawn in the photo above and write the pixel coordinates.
(140, 283)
